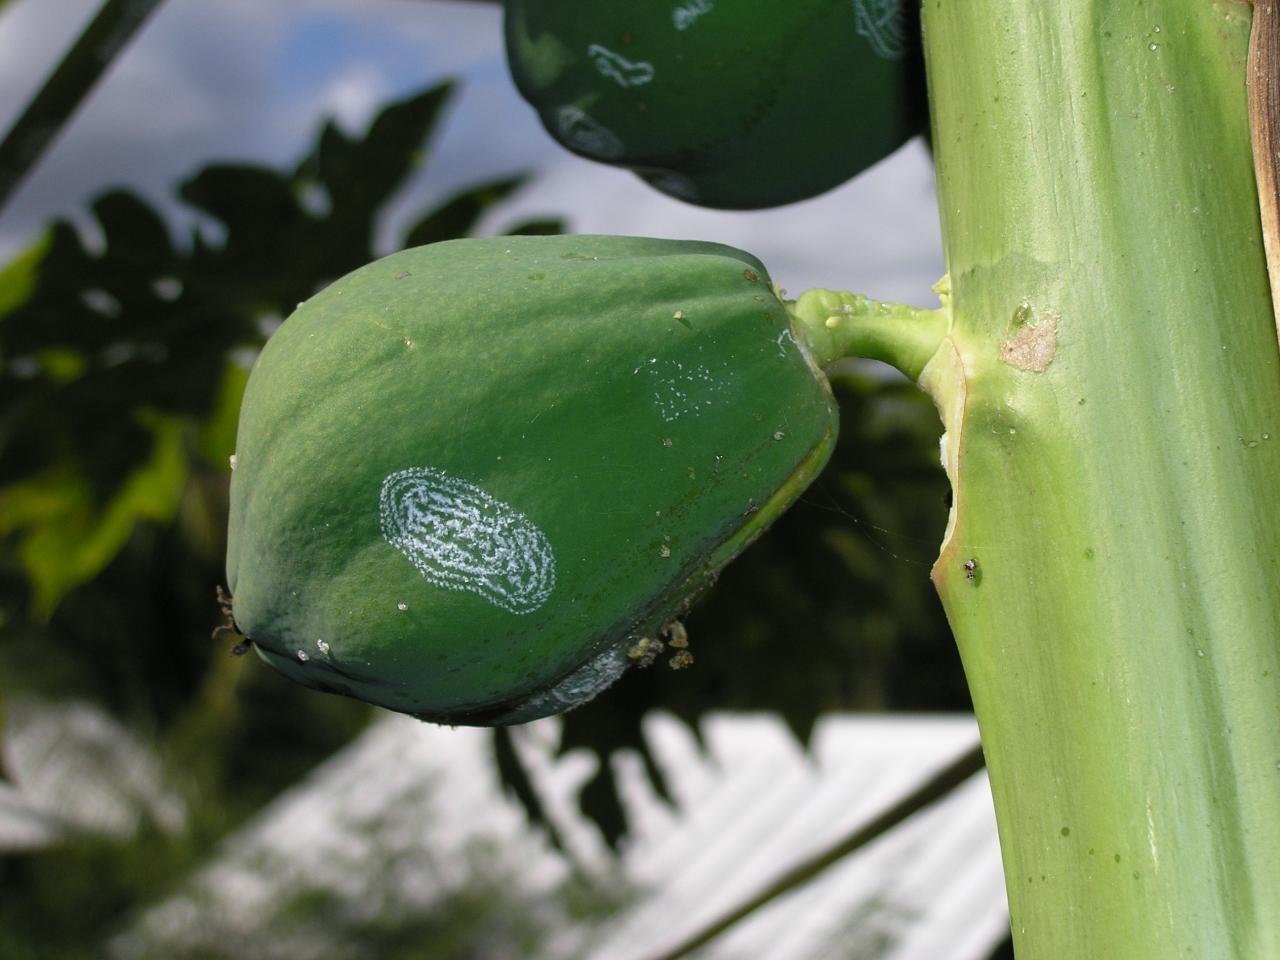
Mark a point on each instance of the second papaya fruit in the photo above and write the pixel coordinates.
(742, 105)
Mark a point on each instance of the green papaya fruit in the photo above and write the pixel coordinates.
(741, 105)
(471, 477)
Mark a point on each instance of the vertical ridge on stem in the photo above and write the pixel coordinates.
(1264, 127)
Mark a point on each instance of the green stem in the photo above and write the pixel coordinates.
(1110, 387)
(55, 103)
(835, 325)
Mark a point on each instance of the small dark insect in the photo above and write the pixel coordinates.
(971, 569)
(228, 627)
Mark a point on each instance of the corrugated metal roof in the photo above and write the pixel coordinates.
(416, 798)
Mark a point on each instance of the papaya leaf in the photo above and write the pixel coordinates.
(91, 338)
(19, 279)
(515, 779)
(245, 199)
(268, 255)
(216, 439)
(367, 172)
(354, 178)
(66, 539)
(459, 215)
(536, 228)
(104, 336)
(134, 231)
(121, 371)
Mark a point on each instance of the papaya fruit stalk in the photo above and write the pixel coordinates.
(1110, 387)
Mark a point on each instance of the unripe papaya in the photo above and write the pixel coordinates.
(471, 477)
(741, 105)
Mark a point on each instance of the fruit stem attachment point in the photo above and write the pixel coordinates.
(834, 326)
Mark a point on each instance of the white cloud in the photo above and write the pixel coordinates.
(353, 95)
(33, 33)
(206, 82)
(877, 234)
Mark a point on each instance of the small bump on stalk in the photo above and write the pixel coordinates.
(834, 325)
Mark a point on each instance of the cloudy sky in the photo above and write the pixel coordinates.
(252, 80)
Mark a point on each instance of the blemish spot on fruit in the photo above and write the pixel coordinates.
(782, 339)
(403, 275)
(882, 23)
(1033, 345)
(402, 607)
(683, 16)
(618, 68)
(592, 138)
(664, 551)
(686, 389)
(667, 442)
(580, 686)
(1065, 831)
(778, 435)
(751, 275)
(460, 538)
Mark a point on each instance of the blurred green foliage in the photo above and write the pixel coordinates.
(123, 354)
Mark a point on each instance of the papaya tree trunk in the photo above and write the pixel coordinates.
(1110, 387)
